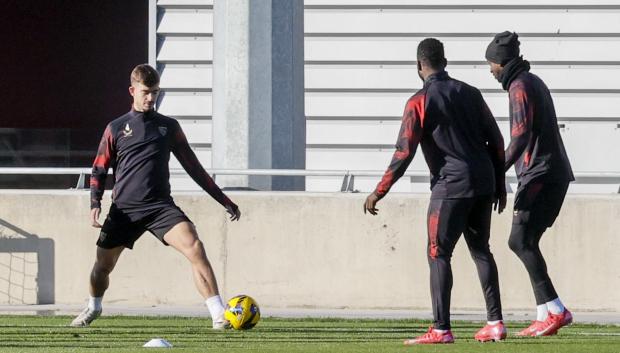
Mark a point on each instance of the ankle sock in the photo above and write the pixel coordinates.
(215, 306)
(555, 306)
(94, 303)
(541, 312)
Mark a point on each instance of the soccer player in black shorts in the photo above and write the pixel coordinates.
(464, 150)
(543, 172)
(137, 146)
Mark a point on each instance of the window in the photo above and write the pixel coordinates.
(65, 72)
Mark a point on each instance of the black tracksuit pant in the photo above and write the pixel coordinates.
(537, 205)
(447, 220)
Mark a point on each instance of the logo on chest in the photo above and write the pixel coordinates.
(127, 131)
(163, 130)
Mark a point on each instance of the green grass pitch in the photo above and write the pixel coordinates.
(128, 334)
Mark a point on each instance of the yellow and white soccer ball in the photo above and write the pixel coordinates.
(242, 312)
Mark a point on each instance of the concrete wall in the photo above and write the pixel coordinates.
(306, 250)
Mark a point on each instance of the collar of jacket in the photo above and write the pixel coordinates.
(512, 69)
(150, 114)
(437, 76)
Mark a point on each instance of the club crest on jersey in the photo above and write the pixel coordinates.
(163, 130)
(128, 131)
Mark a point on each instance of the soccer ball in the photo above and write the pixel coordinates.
(242, 312)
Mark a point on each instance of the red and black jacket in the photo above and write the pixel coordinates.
(137, 146)
(536, 148)
(460, 139)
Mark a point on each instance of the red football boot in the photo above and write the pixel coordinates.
(531, 330)
(555, 322)
(431, 337)
(494, 333)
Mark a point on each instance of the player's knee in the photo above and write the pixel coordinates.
(517, 243)
(195, 248)
(102, 268)
(480, 248)
(481, 254)
(434, 257)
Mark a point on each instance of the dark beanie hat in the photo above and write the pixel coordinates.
(503, 48)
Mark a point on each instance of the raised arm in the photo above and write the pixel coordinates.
(521, 123)
(189, 161)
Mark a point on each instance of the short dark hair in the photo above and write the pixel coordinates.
(144, 74)
(430, 52)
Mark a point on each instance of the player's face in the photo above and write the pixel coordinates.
(144, 97)
(496, 69)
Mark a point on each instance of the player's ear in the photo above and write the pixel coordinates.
(132, 90)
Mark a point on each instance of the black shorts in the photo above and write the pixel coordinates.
(123, 228)
(538, 204)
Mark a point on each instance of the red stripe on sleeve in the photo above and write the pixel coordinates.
(105, 155)
(408, 139)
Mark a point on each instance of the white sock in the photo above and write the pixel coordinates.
(94, 303)
(555, 306)
(215, 306)
(440, 331)
(541, 312)
(493, 323)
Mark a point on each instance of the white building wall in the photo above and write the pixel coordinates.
(184, 59)
(360, 70)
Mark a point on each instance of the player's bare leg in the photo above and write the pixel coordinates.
(100, 275)
(99, 281)
(183, 237)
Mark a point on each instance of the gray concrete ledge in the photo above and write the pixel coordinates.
(300, 250)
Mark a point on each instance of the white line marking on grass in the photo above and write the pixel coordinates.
(598, 333)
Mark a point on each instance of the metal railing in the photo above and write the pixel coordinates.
(348, 176)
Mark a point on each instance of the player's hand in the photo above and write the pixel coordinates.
(234, 212)
(94, 217)
(370, 203)
(500, 203)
